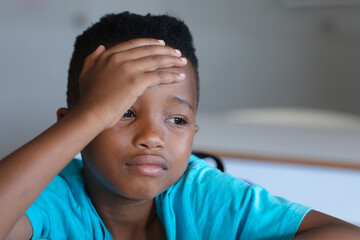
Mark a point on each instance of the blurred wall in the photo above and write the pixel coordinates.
(253, 53)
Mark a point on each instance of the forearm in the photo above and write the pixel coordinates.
(26, 172)
(332, 231)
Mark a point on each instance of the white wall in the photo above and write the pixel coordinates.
(260, 53)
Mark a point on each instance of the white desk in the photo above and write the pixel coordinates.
(300, 136)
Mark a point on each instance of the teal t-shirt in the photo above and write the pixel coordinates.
(204, 204)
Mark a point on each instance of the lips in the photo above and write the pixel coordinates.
(148, 165)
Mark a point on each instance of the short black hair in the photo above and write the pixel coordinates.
(121, 27)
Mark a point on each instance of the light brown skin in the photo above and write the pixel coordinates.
(142, 75)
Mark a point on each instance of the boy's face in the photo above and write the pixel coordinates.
(148, 150)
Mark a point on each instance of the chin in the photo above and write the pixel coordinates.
(142, 195)
(143, 192)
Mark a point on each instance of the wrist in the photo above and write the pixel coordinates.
(91, 118)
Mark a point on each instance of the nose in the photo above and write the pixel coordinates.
(149, 136)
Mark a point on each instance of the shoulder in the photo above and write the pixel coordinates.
(64, 187)
(203, 178)
(67, 188)
(64, 210)
(205, 196)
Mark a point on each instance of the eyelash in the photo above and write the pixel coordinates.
(129, 113)
(178, 121)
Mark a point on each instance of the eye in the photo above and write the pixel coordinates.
(177, 121)
(129, 113)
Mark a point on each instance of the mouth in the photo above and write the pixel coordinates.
(148, 165)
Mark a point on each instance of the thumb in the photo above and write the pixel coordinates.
(90, 59)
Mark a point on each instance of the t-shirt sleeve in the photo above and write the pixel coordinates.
(48, 214)
(242, 210)
(209, 204)
(266, 216)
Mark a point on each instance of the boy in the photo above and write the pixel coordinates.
(131, 113)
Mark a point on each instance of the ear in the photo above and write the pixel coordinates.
(196, 128)
(61, 112)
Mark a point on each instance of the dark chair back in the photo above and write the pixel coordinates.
(216, 159)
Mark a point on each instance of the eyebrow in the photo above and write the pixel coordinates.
(182, 101)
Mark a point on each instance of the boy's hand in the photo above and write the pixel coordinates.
(112, 80)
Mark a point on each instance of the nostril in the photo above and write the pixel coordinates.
(159, 147)
(143, 145)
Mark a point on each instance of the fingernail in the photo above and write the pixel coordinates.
(177, 51)
(183, 60)
(100, 47)
(162, 42)
(181, 76)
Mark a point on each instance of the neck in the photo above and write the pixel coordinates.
(125, 218)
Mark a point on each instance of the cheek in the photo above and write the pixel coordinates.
(181, 148)
(99, 152)
(181, 143)
(105, 142)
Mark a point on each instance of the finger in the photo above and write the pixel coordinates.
(133, 43)
(90, 59)
(145, 51)
(152, 63)
(160, 77)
